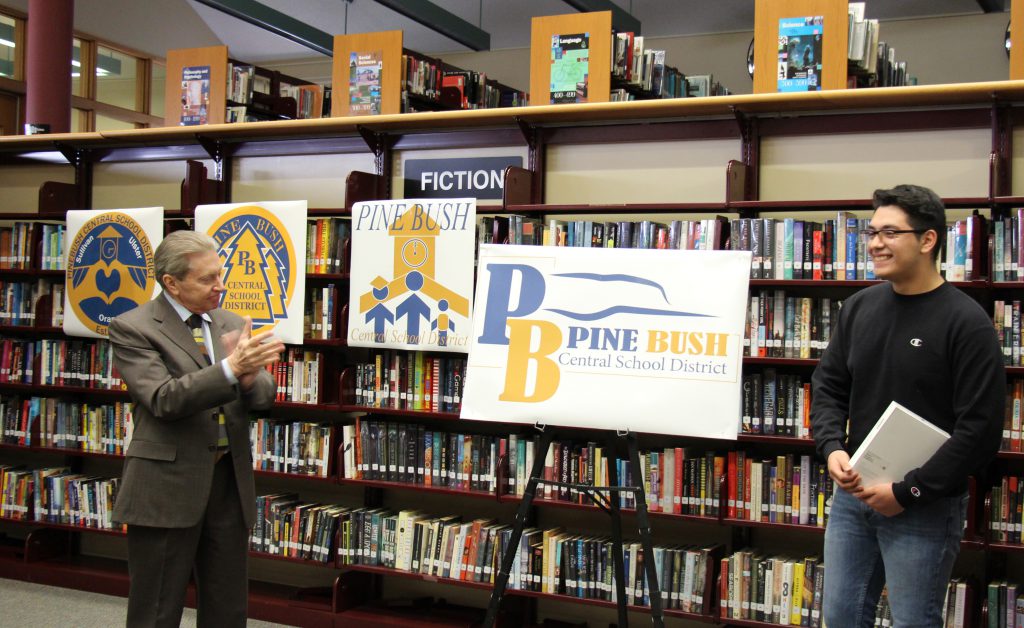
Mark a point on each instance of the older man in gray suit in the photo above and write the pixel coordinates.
(187, 490)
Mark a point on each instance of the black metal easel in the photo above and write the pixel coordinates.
(600, 496)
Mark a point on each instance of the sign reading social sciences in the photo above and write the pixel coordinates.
(263, 248)
(109, 265)
(638, 339)
(412, 274)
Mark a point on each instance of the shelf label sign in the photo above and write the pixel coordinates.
(263, 249)
(412, 274)
(109, 266)
(799, 67)
(638, 339)
(480, 177)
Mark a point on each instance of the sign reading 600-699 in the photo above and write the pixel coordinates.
(110, 269)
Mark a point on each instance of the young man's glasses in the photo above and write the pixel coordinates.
(887, 234)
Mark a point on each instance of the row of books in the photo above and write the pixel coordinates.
(643, 68)
(780, 326)
(321, 312)
(18, 300)
(57, 495)
(776, 404)
(308, 100)
(466, 89)
(86, 363)
(786, 489)
(1006, 316)
(286, 526)
(707, 234)
(297, 374)
(786, 248)
(789, 591)
(510, 229)
(294, 447)
(411, 454)
(1012, 417)
(240, 83)
(549, 561)
(25, 245)
(326, 243)
(782, 590)
(1007, 238)
(1007, 506)
(872, 62)
(59, 423)
(410, 380)
(1005, 604)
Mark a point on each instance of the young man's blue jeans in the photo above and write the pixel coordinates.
(912, 552)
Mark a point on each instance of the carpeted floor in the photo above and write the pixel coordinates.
(27, 605)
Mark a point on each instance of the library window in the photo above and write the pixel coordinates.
(117, 78)
(106, 123)
(157, 78)
(8, 27)
(79, 56)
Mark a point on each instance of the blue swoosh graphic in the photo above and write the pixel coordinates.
(616, 277)
(623, 309)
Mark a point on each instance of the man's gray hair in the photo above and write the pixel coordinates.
(173, 256)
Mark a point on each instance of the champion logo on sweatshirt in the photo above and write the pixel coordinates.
(916, 342)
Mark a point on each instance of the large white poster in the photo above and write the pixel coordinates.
(645, 340)
(263, 248)
(109, 265)
(412, 274)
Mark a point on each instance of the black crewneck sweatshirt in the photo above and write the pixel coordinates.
(936, 353)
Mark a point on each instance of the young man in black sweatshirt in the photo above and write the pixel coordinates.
(919, 341)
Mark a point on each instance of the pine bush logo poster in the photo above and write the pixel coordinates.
(645, 340)
(263, 249)
(109, 266)
(412, 274)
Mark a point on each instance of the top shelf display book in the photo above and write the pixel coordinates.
(778, 68)
(570, 58)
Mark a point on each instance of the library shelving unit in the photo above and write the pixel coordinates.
(58, 555)
(204, 85)
(373, 73)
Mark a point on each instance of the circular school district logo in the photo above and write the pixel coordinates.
(259, 264)
(110, 269)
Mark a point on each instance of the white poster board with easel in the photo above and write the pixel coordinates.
(644, 340)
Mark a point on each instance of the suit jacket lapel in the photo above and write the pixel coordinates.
(217, 331)
(176, 330)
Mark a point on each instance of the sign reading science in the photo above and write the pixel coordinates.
(263, 248)
(648, 340)
(109, 266)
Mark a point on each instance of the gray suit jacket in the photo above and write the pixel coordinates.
(169, 464)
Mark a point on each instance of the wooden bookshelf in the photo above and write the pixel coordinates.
(767, 14)
(215, 59)
(386, 44)
(598, 27)
(1017, 39)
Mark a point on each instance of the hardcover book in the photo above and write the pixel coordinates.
(900, 442)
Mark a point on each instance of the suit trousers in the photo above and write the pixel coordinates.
(215, 550)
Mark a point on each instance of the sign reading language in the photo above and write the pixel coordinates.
(638, 339)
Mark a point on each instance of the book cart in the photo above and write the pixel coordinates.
(335, 162)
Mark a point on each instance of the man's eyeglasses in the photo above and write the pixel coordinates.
(887, 234)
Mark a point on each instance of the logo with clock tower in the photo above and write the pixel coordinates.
(414, 306)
